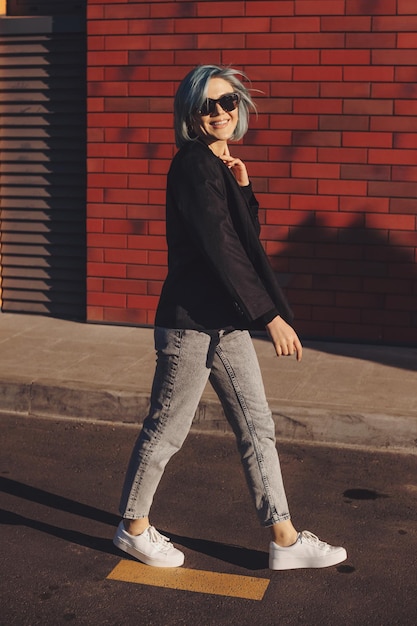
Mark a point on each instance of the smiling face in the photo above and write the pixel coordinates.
(216, 128)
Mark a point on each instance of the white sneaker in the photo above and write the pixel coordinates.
(307, 551)
(150, 547)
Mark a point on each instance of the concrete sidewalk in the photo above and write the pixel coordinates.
(341, 394)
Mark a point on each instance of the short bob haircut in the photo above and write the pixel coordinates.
(192, 92)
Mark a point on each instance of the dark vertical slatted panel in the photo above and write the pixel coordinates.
(43, 180)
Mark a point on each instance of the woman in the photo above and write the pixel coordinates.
(219, 285)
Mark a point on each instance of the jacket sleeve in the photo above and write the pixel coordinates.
(198, 190)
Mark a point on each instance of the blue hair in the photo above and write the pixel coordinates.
(192, 92)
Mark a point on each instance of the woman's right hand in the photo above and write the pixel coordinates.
(284, 338)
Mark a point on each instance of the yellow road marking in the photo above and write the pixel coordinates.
(200, 581)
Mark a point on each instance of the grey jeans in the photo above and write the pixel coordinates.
(186, 359)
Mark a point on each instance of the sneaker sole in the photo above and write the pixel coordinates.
(177, 562)
(291, 562)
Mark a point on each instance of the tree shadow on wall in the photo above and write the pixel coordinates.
(359, 275)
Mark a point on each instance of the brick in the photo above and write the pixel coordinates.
(146, 242)
(107, 210)
(407, 40)
(346, 24)
(382, 7)
(337, 220)
(346, 57)
(395, 24)
(342, 188)
(142, 302)
(208, 41)
(95, 43)
(243, 24)
(107, 299)
(127, 11)
(404, 173)
(126, 316)
(113, 270)
(126, 74)
(365, 172)
(105, 27)
(124, 256)
(289, 185)
(104, 180)
(236, 8)
(390, 222)
(307, 122)
(405, 74)
(404, 238)
(155, 272)
(368, 107)
(245, 57)
(314, 202)
(152, 27)
(148, 58)
(367, 140)
(399, 157)
(344, 122)
(406, 7)
(394, 57)
(286, 153)
(272, 105)
(276, 169)
(94, 313)
(294, 57)
(107, 241)
(107, 119)
(390, 90)
(371, 40)
(295, 90)
(372, 74)
(318, 105)
(319, 40)
(126, 227)
(318, 73)
(264, 7)
(301, 138)
(133, 196)
(150, 120)
(315, 170)
(272, 137)
(368, 205)
(296, 24)
(125, 286)
(107, 58)
(126, 165)
(402, 205)
(270, 41)
(94, 225)
(393, 189)
(406, 107)
(320, 7)
(345, 90)
(146, 181)
(394, 124)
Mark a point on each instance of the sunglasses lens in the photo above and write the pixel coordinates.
(227, 102)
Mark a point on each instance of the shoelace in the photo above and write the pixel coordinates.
(309, 537)
(156, 537)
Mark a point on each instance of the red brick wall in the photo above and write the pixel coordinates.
(332, 155)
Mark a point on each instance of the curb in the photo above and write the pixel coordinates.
(321, 425)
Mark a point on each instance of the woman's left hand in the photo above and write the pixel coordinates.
(237, 167)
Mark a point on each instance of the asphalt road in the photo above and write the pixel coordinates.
(60, 483)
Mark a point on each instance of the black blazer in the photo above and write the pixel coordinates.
(219, 276)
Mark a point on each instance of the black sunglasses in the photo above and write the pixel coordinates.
(228, 103)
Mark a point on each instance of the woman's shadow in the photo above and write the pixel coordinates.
(235, 555)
